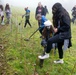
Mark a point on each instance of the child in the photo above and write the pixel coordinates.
(27, 16)
(8, 13)
(1, 14)
(41, 19)
(46, 34)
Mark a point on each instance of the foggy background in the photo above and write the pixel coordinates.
(68, 4)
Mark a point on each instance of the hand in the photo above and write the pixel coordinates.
(22, 16)
(55, 30)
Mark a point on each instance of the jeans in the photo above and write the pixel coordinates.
(27, 21)
(60, 42)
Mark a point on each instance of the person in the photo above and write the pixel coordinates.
(27, 16)
(39, 9)
(41, 19)
(8, 13)
(62, 30)
(1, 14)
(74, 14)
(48, 30)
(46, 34)
(45, 10)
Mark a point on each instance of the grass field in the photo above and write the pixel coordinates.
(20, 57)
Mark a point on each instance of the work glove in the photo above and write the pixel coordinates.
(22, 16)
(44, 43)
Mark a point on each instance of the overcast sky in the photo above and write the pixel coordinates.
(68, 4)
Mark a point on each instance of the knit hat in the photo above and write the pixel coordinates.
(47, 23)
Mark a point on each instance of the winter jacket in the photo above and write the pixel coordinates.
(47, 33)
(43, 19)
(27, 15)
(61, 20)
(39, 10)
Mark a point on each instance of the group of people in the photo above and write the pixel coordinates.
(7, 12)
(39, 10)
(59, 32)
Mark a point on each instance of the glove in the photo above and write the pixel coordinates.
(22, 16)
(44, 43)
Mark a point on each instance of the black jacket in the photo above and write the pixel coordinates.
(39, 11)
(61, 20)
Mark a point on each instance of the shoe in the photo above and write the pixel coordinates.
(59, 61)
(24, 26)
(2, 23)
(45, 56)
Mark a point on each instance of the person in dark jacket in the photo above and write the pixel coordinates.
(39, 10)
(8, 13)
(62, 30)
(74, 14)
(45, 10)
(27, 17)
(2, 14)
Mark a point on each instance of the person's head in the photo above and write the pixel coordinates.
(26, 8)
(45, 6)
(39, 4)
(1, 7)
(7, 6)
(47, 24)
(56, 7)
(38, 17)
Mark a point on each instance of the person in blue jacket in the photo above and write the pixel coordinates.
(27, 17)
(41, 19)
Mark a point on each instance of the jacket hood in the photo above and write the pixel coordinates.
(56, 6)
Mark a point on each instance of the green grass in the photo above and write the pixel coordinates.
(21, 56)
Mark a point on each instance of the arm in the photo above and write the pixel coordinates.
(36, 13)
(66, 24)
(25, 15)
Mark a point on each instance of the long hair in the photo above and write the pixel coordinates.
(58, 14)
(1, 7)
(7, 7)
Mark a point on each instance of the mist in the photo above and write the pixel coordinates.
(68, 4)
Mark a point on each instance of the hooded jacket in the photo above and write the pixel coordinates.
(61, 20)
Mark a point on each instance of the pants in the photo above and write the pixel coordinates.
(55, 39)
(2, 18)
(8, 16)
(73, 19)
(27, 21)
